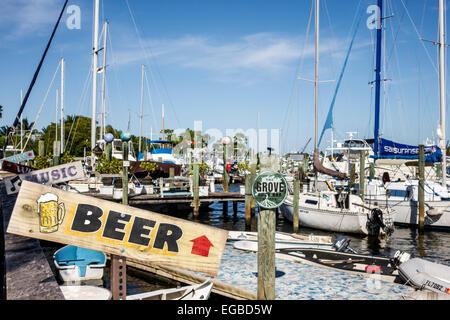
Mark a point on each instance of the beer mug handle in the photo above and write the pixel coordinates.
(61, 212)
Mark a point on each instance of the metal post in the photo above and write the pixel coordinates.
(266, 254)
(421, 187)
(118, 277)
(442, 91)
(295, 221)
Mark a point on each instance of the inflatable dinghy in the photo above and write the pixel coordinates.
(425, 274)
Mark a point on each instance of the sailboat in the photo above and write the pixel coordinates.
(402, 196)
(331, 210)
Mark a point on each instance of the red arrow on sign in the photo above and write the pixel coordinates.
(201, 246)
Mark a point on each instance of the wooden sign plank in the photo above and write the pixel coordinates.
(29, 155)
(16, 167)
(52, 175)
(51, 214)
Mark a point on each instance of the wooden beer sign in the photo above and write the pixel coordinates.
(15, 167)
(52, 175)
(51, 214)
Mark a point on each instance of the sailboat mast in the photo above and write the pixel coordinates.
(316, 78)
(103, 118)
(94, 74)
(140, 111)
(62, 105)
(378, 79)
(442, 143)
(316, 87)
(163, 133)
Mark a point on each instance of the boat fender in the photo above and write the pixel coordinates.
(433, 212)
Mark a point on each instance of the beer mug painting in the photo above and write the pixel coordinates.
(51, 213)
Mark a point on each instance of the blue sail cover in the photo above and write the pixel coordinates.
(391, 150)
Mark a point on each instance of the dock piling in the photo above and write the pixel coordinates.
(41, 148)
(125, 173)
(266, 254)
(195, 189)
(248, 198)
(362, 163)
(295, 221)
(421, 188)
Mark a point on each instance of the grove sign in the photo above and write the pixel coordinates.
(51, 214)
(269, 189)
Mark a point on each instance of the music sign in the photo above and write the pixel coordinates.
(269, 189)
(53, 175)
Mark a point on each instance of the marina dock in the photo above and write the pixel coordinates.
(29, 275)
(174, 198)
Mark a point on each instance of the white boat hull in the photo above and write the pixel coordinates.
(437, 213)
(326, 219)
(193, 292)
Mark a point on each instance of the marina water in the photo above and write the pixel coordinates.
(431, 245)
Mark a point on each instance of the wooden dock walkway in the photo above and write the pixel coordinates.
(173, 199)
(28, 274)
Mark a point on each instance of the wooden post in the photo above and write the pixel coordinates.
(109, 151)
(226, 177)
(195, 189)
(372, 171)
(362, 168)
(439, 170)
(252, 178)
(352, 176)
(161, 187)
(266, 254)
(295, 221)
(125, 173)
(41, 148)
(301, 176)
(235, 208)
(248, 200)
(2, 255)
(421, 188)
(56, 152)
(224, 207)
(172, 172)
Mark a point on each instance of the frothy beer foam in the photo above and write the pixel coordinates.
(47, 197)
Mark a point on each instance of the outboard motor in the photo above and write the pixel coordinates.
(375, 222)
(341, 244)
(400, 257)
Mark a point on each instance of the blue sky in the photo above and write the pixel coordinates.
(222, 62)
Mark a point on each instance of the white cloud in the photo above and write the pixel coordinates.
(248, 56)
(22, 17)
